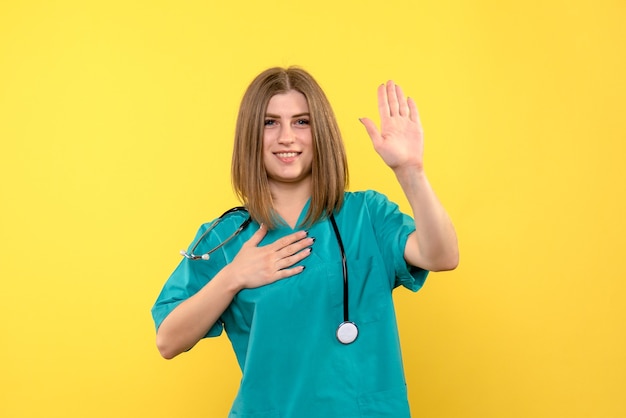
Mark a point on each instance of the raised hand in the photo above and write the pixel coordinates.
(400, 141)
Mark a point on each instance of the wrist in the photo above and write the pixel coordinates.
(410, 173)
(231, 283)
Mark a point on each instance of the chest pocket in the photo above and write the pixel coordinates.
(369, 291)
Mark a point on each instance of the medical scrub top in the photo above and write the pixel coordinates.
(284, 333)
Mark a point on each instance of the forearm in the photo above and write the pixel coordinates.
(192, 319)
(434, 245)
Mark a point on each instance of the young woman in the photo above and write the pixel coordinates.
(304, 291)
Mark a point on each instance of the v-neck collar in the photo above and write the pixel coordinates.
(305, 209)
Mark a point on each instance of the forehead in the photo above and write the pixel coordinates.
(291, 101)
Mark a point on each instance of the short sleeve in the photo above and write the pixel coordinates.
(187, 279)
(411, 277)
(392, 228)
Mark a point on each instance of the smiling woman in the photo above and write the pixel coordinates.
(266, 284)
(105, 105)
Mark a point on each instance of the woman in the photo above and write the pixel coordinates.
(313, 255)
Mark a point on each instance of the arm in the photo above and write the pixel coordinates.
(433, 246)
(253, 266)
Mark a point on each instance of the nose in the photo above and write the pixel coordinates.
(287, 135)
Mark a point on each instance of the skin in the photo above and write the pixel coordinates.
(288, 153)
(400, 144)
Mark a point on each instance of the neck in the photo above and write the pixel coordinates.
(289, 200)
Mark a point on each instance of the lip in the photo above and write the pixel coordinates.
(287, 156)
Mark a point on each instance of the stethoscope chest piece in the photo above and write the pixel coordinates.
(347, 332)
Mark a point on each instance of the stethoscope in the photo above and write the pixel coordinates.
(347, 331)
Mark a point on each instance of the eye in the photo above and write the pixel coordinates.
(269, 122)
(302, 122)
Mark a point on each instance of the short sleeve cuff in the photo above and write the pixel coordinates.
(409, 276)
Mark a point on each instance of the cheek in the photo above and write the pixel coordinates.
(311, 143)
(267, 141)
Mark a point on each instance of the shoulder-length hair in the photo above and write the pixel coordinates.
(329, 168)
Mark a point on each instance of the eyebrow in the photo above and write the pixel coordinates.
(299, 115)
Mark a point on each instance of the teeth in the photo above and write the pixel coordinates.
(286, 154)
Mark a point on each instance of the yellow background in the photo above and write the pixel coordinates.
(116, 123)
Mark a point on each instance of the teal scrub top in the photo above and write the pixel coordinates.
(283, 334)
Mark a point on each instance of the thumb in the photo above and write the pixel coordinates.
(371, 129)
(258, 236)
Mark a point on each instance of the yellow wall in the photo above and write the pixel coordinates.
(116, 120)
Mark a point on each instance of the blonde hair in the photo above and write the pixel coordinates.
(329, 169)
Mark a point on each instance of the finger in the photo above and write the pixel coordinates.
(294, 248)
(258, 236)
(392, 99)
(285, 273)
(414, 114)
(283, 242)
(289, 261)
(371, 129)
(403, 107)
(383, 103)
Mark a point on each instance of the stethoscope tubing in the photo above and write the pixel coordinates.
(344, 265)
(191, 254)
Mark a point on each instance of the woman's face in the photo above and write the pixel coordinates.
(287, 140)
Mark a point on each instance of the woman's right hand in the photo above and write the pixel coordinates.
(256, 266)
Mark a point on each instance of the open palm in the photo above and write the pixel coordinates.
(400, 139)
